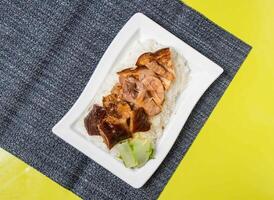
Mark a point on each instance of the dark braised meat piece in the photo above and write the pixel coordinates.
(139, 120)
(95, 116)
(112, 133)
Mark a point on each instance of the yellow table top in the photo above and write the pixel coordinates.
(232, 158)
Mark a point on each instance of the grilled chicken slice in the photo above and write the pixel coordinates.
(163, 57)
(150, 106)
(144, 59)
(155, 88)
(117, 91)
(95, 116)
(147, 93)
(108, 100)
(139, 121)
(130, 80)
(112, 133)
(116, 108)
(162, 72)
(139, 92)
(145, 101)
(159, 62)
(166, 83)
(140, 72)
(115, 95)
(155, 67)
(131, 88)
(123, 109)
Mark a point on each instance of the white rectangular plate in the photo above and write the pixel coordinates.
(202, 73)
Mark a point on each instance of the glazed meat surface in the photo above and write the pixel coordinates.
(95, 116)
(138, 96)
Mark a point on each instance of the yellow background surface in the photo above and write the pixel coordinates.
(233, 156)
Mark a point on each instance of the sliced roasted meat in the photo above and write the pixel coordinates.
(123, 109)
(109, 104)
(166, 83)
(140, 72)
(145, 101)
(138, 96)
(131, 81)
(150, 95)
(155, 88)
(117, 91)
(155, 67)
(163, 57)
(160, 63)
(160, 70)
(165, 52)
(139, 120)
(112, 133)
(151, 107)
(118, 111)
(144, 59)
(95, 116)
(139, 79)
(131, 88)
(116, 108)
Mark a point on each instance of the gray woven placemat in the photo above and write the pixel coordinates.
(48, 51)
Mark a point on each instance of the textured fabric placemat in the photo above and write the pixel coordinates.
(48, 51)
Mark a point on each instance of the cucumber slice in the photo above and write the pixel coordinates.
(136, 152)
(142, 150)
(126, 154)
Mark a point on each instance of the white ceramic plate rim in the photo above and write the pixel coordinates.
(204, 71)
